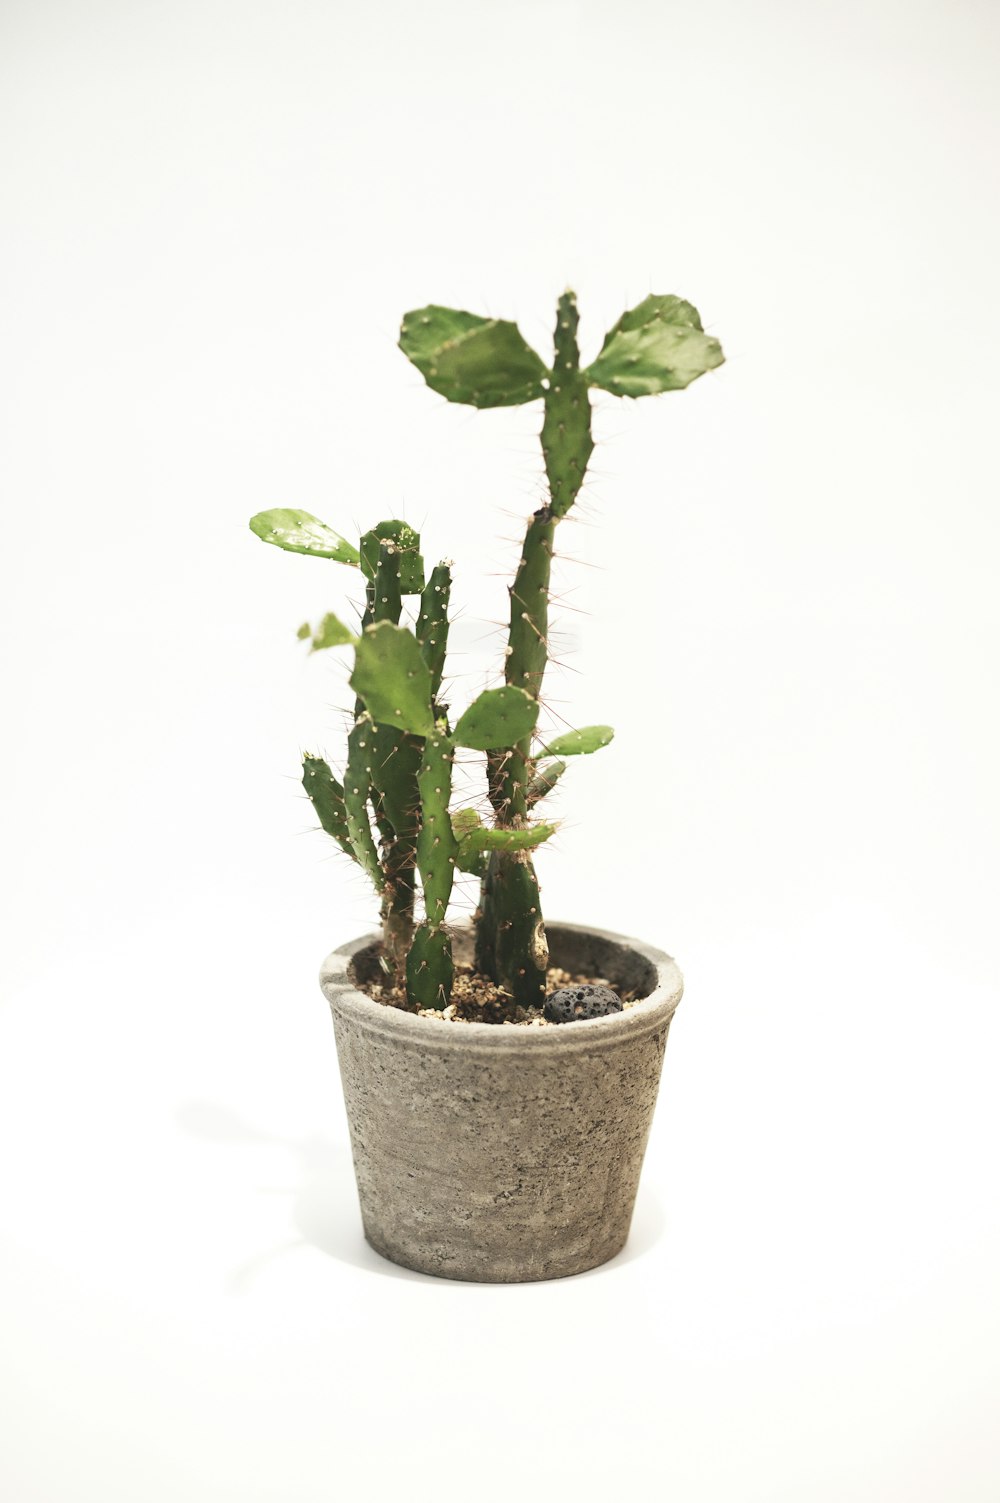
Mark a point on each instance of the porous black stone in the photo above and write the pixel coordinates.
(571, 1003)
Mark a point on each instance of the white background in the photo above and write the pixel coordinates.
(780, 586)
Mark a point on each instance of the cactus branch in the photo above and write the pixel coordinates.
(437, 847)
(326, 795)
(358, 778)
(432, 624)
(544, 780)
(429, 969)
(566, 438)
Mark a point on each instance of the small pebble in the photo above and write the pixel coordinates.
(571, 1003)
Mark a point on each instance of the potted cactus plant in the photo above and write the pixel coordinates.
(499, 1139)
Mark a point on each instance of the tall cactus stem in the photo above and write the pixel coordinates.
(510, 944)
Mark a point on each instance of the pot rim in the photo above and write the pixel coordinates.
(650, 1014)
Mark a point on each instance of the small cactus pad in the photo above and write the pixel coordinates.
(657, 346)
(581, 743)
(499, 717)
(475, 841)
(406, 544)
(331, 632)
(301, 532)
(571, 1004)
(481, 361)
(392, 678)
(544, 781)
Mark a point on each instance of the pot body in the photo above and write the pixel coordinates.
(502, 1153)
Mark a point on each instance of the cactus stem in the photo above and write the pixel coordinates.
(511, 924)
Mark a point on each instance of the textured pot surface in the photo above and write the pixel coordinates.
(499, 1153)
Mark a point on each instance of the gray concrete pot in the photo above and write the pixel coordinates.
(495, 1153)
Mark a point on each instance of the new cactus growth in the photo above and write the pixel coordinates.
(392, 813)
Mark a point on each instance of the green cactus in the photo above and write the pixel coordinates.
(658, 346)
(398, 773)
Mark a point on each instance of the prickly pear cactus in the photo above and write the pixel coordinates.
(391, 813)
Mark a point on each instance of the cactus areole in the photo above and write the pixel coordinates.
(392, 811)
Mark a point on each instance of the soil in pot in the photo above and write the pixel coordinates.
(477, 999)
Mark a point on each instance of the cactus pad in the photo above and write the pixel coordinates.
(657, 346)
(477, 842)
(581, 743)
(390, 675)
(481, 361)
(499, 717)
(301, 532)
